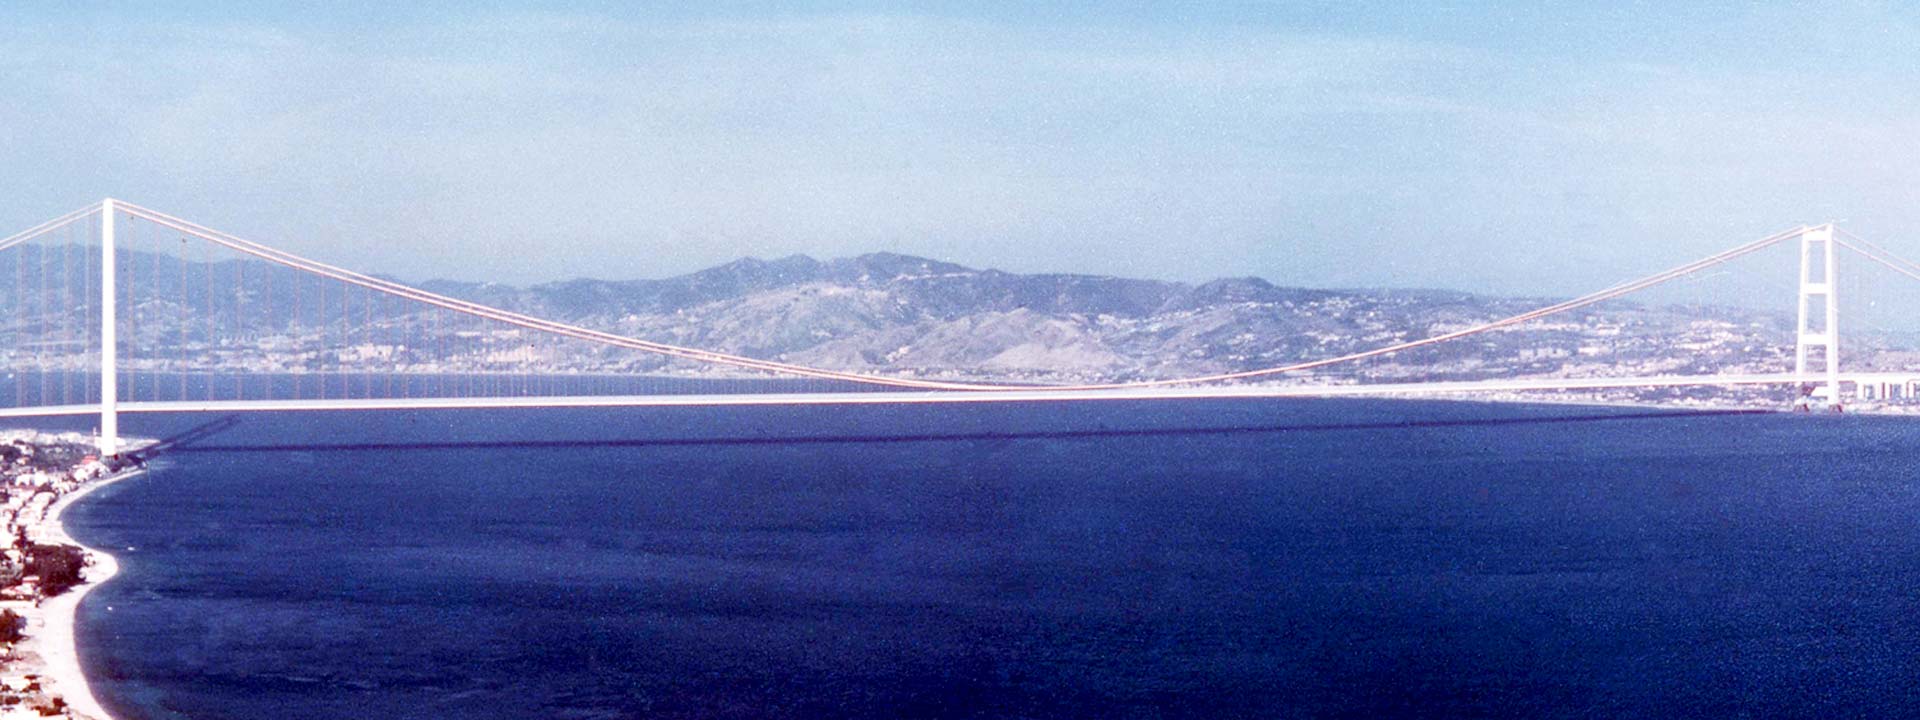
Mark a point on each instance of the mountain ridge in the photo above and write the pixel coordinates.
(894, 314)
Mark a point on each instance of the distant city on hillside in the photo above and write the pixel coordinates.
(897, 315)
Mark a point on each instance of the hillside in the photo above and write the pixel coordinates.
(894, 314)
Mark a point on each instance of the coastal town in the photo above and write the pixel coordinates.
(887, 315)
(43, 572)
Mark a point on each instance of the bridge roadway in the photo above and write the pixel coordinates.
(951, 396)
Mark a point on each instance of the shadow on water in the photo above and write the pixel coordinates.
(191, 435)
(184, 442)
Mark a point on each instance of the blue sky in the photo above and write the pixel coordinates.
(1531, 148)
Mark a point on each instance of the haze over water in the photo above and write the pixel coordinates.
(1300, 558)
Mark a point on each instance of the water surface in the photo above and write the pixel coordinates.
(1295, 558)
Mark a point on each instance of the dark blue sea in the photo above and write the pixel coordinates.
(1173, 559)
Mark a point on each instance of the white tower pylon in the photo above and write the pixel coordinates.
(1817, 281)
(109, 337)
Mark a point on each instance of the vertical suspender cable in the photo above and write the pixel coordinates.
(242, 340)
(67, 310)
(16, 324)
(92, 313)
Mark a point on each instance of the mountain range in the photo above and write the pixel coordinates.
(888, 314)
(891, 313)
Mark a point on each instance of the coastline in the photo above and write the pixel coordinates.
(50, 626)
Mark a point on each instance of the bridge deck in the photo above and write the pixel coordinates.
(878, 398)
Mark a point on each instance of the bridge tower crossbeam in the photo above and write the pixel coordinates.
(1817, 299)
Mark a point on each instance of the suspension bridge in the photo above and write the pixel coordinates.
(117, 308)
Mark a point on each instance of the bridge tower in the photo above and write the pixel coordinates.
(109, 337)
(1817, 299)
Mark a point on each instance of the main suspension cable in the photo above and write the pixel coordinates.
(581, 333)
(29, 234)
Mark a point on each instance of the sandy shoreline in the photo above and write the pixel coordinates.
(50, 626)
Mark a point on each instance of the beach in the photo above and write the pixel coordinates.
(49, 653)
(59, 649)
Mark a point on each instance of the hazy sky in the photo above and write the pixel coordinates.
(1505, 149)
